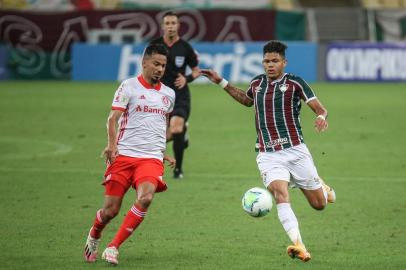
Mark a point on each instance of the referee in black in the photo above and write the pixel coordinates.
(181, 55)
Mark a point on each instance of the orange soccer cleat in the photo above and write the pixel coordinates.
(300, 252)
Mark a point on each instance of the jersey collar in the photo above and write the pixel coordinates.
(278, 80)
(147, 85)
(169, 45)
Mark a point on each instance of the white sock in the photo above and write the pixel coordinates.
(325, 193)
(289, 222)
(323, 188)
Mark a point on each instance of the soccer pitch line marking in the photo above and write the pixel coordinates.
(58, 148)
(400, 179)
(344, 178)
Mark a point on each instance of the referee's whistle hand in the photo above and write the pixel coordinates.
(180, 81)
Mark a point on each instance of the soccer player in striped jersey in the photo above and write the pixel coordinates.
(283, 158)
(135, 150)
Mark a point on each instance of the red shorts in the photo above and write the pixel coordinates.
(131, 171)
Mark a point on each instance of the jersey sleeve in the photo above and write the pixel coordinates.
(121, 98)
(192, 59)
(253, 84)
(249, 92)
(305, 92)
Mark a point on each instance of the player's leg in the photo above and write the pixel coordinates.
(307, 179)
(186, 136)
(111, 208)
(279, 190)
(316, 198)
(147, 181)
(116, 185)
(276, 179)
(134, 217)
(177, 129)
(319, 197)
(169, 136)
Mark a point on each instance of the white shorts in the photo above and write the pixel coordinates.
(294, 165)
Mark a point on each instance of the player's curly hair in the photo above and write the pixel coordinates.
(275, 46)
(155, 48)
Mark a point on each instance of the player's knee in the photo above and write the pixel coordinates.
(280, 195)
(176, 129)
(145, 199)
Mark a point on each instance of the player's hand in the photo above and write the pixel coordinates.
(211, 75)
(171, 160)
(110, 153)
(320, 124)
(180, 81)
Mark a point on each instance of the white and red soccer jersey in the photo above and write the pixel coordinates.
(142, 131)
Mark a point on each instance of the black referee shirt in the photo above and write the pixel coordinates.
(181, 54)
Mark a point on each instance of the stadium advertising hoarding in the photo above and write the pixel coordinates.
(366, 62)
(41, 41)
(238, 62)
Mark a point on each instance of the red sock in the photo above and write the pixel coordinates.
(131, 221)
(98, 226)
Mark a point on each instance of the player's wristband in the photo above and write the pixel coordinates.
(223, 83)
(321, 117)
(189, 78)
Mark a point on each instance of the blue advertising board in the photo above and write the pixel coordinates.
(238, 62)
(366, 62)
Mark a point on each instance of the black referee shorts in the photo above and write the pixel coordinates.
(182, 110)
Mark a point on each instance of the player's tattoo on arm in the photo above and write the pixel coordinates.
(238, 95)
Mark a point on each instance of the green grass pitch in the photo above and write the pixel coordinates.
(52, 134)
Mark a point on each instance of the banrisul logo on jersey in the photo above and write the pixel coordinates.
(366, 62)
(149, 109)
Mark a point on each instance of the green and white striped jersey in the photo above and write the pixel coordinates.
(277, 108)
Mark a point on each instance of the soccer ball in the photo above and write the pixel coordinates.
(257, 202)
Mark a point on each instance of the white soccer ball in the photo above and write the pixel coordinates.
(257, 202)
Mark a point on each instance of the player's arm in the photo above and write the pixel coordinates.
(237, 93)
(320, 123)
(193, 62)
(111, 150)
(170, 160)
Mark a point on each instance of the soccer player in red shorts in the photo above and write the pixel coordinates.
(135, 151)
